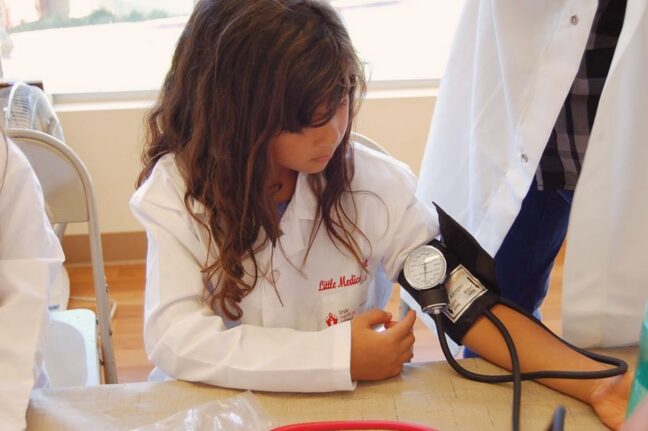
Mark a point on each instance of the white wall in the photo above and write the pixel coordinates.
(108, 138)
(399, 121)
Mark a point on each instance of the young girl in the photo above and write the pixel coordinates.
(265, 226)
(269, 231)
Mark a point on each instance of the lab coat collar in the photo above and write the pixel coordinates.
(303, 206)
(304, 200)
(197, 207)
(303, 203)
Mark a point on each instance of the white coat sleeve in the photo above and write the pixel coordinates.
(30, 258)
(399, 220)
(411, 226)
(186, 340)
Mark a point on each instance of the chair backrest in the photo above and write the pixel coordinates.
(69, 198)
(60, 173)
(368, 142)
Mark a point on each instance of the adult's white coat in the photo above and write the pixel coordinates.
(296, 337)
(511, 65)
(30, 258)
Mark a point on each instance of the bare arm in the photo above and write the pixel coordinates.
(538, 350)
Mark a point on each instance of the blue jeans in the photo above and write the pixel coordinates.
(525, 258)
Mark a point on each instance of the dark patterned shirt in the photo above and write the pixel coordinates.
(563, 156)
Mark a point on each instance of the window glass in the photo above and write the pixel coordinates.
(96, 46)
(401, 39)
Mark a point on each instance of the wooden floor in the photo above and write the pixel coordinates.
(126, 283)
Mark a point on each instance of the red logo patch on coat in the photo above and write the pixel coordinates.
(331, 319)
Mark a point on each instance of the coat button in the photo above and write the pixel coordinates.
(524, 158)
(574, 19)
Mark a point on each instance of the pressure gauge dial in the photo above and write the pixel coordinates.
(425, 267)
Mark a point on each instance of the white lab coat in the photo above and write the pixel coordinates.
(275, 347)
(510, 68)
(30, 258)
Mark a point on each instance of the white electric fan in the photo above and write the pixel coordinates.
(27, 107)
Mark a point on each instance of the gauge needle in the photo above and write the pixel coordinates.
(425, 272)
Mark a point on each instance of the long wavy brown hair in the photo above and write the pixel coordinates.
(243, 72)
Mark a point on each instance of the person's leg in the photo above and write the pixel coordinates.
(524, 261)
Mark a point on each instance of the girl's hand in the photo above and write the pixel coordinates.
(379, 355)
(610, 398)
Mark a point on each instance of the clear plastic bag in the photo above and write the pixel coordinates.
(240, 413)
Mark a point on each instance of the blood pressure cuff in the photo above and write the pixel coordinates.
(470, 283)
(456, 326)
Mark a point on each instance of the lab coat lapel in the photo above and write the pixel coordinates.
(302, 207)
(634, 17)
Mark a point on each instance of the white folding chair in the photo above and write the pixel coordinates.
(368, 142)
(406, 300)
(69, 198)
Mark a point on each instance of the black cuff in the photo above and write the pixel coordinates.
(457, 330)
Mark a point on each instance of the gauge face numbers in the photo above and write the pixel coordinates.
(425, 267)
